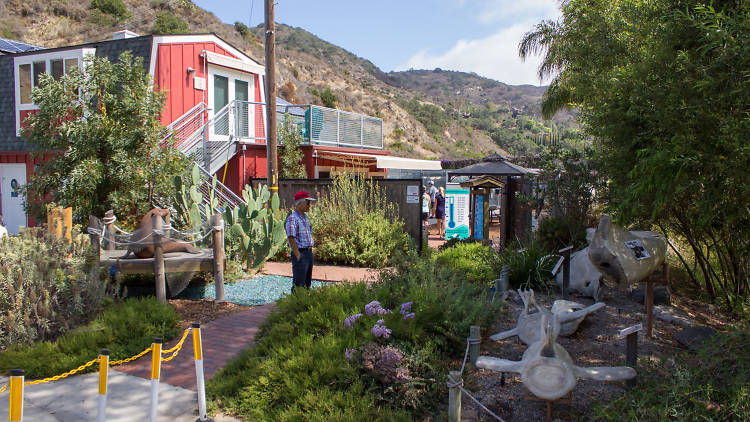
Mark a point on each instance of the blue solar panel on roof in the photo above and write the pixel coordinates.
(11, 46)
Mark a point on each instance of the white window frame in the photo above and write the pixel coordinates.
(231, 75)
(47, 58)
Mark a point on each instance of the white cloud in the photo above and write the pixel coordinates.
(493, 57)
(510, 11)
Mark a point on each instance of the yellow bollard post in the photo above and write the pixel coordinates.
(103, 375)
(67, 224)
(198, 349)
(155, 373)
(16, 395)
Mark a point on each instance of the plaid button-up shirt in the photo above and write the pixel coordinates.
(298, 226)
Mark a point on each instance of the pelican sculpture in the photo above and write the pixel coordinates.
(547, 369)
(569, 315)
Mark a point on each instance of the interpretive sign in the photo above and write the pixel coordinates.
(456, 212)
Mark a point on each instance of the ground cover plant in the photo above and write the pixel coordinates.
(315, 359)
(477, 262)
(709, 385)
(354, 225)
(47, 286)
(125, 329)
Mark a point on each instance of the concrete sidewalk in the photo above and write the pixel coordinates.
(321, 272)
(74, 399)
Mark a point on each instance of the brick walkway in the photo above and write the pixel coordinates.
(323, 272)
(222, 339)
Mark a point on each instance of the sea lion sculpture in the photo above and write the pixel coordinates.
(142, 233)
(626, 257)
(568, 315)
(547, 369)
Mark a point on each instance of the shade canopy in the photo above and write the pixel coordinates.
(491, 168)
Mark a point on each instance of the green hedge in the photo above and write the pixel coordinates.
(476, 262)
(125, 329)
(298, 370)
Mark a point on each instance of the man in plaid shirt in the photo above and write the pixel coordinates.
(299, 233)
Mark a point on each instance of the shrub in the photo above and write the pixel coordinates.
(114, 8)
(530, 265)
(169, 23)
(328, 98)
(299, 364)
(555, 233)
(710, 385)
(46, 286)
(474, 261)
(125, 329)
(353, 224)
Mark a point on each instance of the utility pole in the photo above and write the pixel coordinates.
(271, 148)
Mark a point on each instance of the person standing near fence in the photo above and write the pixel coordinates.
(440, 211)
(433, 192)
(299, 234)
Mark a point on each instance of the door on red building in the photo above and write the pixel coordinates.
(226, 85)
(12, 177)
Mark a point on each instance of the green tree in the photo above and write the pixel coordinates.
(169, 23)
(663, 86)
(291, 160)
(103, 131)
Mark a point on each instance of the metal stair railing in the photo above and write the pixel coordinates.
(186, 125)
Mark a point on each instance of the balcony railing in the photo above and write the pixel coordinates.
(327, 126)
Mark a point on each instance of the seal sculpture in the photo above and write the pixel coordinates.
(142, 243)
(547, 369)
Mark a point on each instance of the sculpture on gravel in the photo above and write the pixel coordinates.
(568, 315)
(547, 369)
(627, 257)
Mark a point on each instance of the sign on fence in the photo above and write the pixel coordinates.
(456, 212)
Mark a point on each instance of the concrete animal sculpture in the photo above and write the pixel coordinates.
(585, 278)
(626, 257)
(547, 369)
(143, 242)
(568, 314)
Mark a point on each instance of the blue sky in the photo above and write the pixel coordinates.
(478, 36)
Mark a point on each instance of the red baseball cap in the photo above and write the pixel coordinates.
(303, 195)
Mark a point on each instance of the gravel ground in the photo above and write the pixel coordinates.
(255, 291)
(595, 343)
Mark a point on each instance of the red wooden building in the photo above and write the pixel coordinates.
(215, 107)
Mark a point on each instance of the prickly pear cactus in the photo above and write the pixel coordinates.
(188, 199)
(259, 225)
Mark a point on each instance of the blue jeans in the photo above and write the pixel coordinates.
(302, 269)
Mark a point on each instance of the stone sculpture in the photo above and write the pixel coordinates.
(142, 233)
(547, 369)
(585, 278)
(568, 315)
(627, 257)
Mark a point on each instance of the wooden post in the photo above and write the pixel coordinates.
(67, 224)
(270, 49)
(217, 224)
(474, 339)
(454, 396)
(109, 234)
(649, 307)
(566, 270)
(157, 224)
(95, 224)
(631, 351)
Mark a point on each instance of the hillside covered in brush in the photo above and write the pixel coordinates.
(426, 114)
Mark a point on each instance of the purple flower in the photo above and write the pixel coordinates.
(372, 307)
(405, 308)
(349, 353)
(350, 320)
(379, 330)
(380, 322)
(382, 311)
(409, 315)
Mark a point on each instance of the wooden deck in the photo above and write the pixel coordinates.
(173, 262)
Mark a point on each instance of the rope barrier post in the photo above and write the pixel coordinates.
(94, 226)
(474, 339)
(649, 307)
(109, 227)
(155, 373)
(199, 378)
(157, 223)
(217, 224)
(103, 375)
(566, 270)
(16, 395)
(631, 349)
(454, 396)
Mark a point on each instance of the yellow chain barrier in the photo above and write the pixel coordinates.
(3, 388)
(63, 375)
(130, 359)
(176, 349)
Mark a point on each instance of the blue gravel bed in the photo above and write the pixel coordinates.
(255, 291)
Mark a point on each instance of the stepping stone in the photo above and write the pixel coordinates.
(693, 337)
(661, 295)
